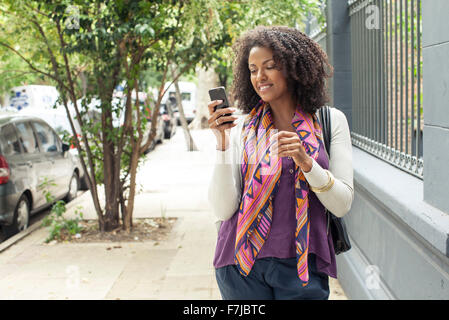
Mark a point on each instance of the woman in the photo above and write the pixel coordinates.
(273, 177)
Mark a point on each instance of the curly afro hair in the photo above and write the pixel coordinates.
(300, 57)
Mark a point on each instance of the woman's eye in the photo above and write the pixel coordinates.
(252, 71)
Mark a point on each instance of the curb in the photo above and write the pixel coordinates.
(9, 242)
(36, 225)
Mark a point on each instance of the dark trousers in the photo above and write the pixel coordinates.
(272, 279)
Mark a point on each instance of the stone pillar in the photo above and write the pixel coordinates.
(435, 17)
(339, 52)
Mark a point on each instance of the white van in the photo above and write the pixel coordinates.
(188, 95)
(32, 96)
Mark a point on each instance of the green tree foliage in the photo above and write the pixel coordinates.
(236, 17)
(111, 42)
(87, 48)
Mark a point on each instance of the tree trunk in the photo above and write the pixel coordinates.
(111, 190)
(129, 208)
(111, 178)
(207, 79)
(83, 78)
(189, 140)
(134, 162)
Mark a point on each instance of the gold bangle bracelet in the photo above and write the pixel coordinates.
(325, 188)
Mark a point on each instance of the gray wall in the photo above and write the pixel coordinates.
(398, 239)
(436, 102)
(399, 224)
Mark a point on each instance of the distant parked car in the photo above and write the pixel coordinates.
(30, 154)
(170, 122)
(146, 112)
(159, 138)
(188, 96)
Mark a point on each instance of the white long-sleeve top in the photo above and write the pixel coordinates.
(226, 185)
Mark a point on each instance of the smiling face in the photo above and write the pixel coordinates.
(266, 77)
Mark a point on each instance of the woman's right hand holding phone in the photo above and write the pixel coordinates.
(217, 122)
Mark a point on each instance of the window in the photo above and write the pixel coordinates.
(168, 110)
(46, 136)
(58, 142)
(9, 141)
(26, 134)
(185, 96)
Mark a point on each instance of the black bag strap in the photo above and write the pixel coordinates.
(324, 114)
(339, 234)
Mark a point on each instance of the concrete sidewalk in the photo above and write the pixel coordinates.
(172, 183)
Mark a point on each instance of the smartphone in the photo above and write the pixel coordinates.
(220, 94)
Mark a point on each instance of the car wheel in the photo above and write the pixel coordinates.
(21, 218)
(151, 147)
(84, 185)
(73, 188)
(161, 138)
(3, 235)
(167, 133)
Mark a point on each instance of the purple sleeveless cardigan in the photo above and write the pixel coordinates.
(281, 239)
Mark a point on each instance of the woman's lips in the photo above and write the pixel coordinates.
(265, 87)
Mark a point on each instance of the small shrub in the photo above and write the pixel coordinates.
(60, 228)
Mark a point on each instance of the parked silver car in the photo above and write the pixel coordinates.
(31, 153)
(57, 119)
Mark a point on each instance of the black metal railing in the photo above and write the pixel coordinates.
(387, 80)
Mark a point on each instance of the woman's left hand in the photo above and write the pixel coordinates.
(288, 144)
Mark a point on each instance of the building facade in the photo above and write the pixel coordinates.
(391, 79)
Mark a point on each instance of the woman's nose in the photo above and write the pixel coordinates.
(260, 75)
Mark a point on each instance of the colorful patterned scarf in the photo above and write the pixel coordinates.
(261, 173)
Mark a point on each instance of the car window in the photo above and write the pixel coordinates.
(9, 141)
(185, 96)
(46, 136)
(169, 110)
(165, 109)
(58, 142)
(26, 134)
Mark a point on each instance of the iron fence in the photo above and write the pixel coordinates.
(387, 80)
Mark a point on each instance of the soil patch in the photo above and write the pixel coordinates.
(156, 229)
